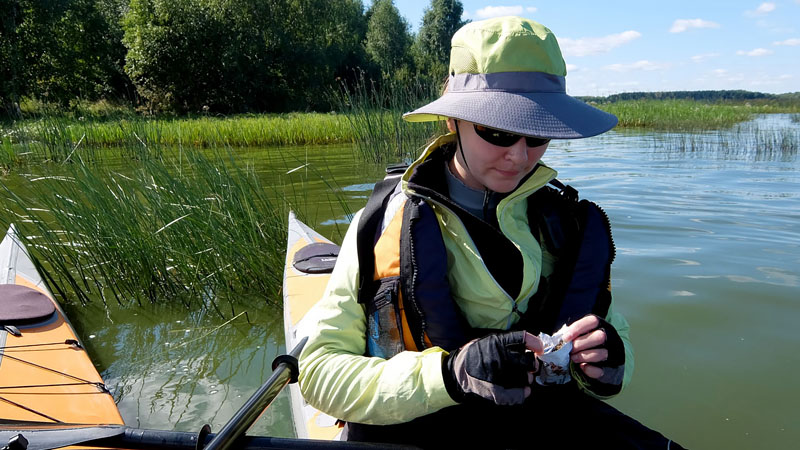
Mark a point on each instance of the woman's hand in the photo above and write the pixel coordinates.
(497, 368)
(595, 346)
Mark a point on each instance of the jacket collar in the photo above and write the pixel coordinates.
(425, 177)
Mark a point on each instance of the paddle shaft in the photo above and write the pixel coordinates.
(176, 440)
(284, 372)
(116, 436)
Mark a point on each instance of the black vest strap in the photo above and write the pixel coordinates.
(368, 228)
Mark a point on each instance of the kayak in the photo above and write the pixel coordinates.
(45, 373)
(309, 260)
(46, 377)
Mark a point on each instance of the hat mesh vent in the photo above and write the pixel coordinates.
(461, 61)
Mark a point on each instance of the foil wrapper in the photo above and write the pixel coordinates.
(555, 360)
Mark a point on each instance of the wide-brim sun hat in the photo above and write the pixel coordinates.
(508, 73)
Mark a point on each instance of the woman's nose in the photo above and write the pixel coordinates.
(518, 153)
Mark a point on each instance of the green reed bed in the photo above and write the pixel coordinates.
(194, 229)
(678, 115)
(746, 141)
(236, 131)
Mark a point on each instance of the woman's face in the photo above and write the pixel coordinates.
(490, 166)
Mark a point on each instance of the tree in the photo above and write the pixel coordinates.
(238, 55)
(57, 51)
(388, 38)
(432, 45)
(10, 19)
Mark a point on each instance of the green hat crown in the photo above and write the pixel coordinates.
(505, 44)
(507, 73)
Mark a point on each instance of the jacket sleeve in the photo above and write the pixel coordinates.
(337, 379)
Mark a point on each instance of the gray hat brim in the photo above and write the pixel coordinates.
(553, 115)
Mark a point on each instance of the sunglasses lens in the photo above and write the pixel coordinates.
(496, 137)
(535, 141)
(504, 139)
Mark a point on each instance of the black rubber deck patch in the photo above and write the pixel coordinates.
(20, 304)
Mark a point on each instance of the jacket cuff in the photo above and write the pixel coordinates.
(433, 361)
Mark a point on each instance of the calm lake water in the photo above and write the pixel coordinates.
(707, 273)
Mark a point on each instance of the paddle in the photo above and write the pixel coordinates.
(284, 371)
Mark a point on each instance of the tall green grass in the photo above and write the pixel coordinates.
(236, 131)
(687, 115)
(193, 229)
(374, 112)
(747, 142)
(676, 115)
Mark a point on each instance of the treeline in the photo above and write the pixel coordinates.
(213, 55)
(733, 95)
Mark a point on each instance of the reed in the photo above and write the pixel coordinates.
(750, 141)
(678, 115)
(374, 113)
(193, 229)
(236, 131)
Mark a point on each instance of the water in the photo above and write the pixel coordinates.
(707, 273)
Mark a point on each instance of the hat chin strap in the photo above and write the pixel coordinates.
(486, 191)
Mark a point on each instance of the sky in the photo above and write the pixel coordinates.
(673, 45)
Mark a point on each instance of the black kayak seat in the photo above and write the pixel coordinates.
(319, 257)
(21, 304)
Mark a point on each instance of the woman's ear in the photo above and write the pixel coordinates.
(451, 125)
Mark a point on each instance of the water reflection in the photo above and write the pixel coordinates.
(169, 368)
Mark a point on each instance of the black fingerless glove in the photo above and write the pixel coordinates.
(494, 368)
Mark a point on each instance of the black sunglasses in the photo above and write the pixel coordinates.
(504, 139)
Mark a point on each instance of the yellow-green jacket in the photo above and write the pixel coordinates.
(336, 377)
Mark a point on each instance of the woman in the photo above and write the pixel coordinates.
(431, 318)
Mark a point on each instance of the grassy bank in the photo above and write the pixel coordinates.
(689, 115)
(368, 118)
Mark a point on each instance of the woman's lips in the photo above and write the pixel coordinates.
(508, 173)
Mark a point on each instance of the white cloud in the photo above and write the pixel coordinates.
(764, 8)
(755, 52)
(791, 42)
(572, 68)
(704, 56)
(594, 46)
(638, 65)
(720, 72)
(681, 25)
(786, 76)
(499, 11)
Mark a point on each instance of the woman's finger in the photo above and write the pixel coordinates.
(590, 340)
(581, 326)
(594, 355)
(534, 344)
(591, 371)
